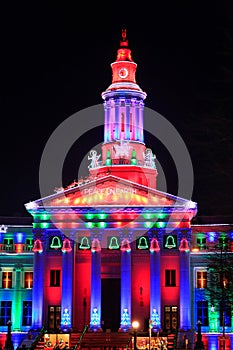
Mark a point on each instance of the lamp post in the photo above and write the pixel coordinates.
(150, 328)
(135, 325)
(9, 343)
(199, 342)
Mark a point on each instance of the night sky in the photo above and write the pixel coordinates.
(53, 65)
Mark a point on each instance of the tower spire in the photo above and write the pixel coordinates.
(124, 53)
(124, 41)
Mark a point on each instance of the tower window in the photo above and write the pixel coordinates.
(27, 313)
(170, 278)
(28, 280)
(122, 122)
(5, 312)
(6, 279)
(55, 276)
(201, 279)
(202, 312)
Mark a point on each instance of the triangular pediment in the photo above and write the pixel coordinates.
(109, 191)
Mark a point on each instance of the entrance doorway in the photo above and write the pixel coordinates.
(170, 318)
(54, 317)
(110, 304)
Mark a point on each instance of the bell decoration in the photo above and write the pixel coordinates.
(170, 242)
(56, 242)
(37, 247)
(184, 246)
(95, 246)
(84, 243)
(154, 245)
(66, 246)
(113, 243)
(125, 246)
(142, 244)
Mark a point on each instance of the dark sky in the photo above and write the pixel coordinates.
(55, 61)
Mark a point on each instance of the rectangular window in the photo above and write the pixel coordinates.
(9, 244)
(171, 317)
(202, 312)
(28, 280)
(170, 278)
(201, 243)
(55, 278)
(226, 313)
(28, 244)
(223, 243)
(27, 313)
(201, 279)
(5, 312)
(6, 279)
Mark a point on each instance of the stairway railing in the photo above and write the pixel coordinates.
(37, 338)
(78, 344)
(129, 344)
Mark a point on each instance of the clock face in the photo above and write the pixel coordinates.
(123, 73)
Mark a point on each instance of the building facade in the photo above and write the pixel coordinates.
(111, 248)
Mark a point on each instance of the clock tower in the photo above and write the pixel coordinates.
(123, 124)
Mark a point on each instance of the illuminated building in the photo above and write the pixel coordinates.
(112, 248)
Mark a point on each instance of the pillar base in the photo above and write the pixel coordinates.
(96, 329)
(123, 329)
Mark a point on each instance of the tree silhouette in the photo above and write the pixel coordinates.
(219, 291)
